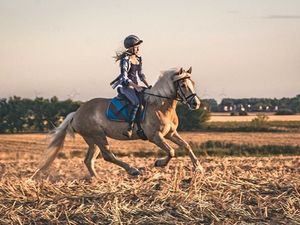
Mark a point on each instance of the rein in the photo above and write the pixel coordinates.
(160, 96)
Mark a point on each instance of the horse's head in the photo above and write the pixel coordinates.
(185, 89)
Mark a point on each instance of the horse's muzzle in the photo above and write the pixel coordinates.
(195, 103)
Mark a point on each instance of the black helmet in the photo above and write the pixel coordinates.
(131, 41)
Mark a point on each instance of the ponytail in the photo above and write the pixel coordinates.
(120, 54)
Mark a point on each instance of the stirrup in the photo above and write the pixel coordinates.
(141, 134)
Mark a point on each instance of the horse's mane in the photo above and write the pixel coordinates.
(163, 87)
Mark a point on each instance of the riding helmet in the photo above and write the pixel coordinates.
(131, 41)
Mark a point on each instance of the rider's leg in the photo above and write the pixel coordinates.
(140, 131)
(134, 100)
(132, 116)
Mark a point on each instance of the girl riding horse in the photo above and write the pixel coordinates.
(160, 124)
(127, 82)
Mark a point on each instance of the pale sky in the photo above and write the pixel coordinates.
(237, 48)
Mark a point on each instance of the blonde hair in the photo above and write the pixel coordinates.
(120, 54)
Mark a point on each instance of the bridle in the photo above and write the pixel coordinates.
(180, 95)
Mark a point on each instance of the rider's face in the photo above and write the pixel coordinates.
(136, 49)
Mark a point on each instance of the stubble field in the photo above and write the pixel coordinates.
(233, 190)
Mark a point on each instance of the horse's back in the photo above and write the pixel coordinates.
(90, 114)
(94, 105)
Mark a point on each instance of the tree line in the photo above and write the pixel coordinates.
(33, 115)
(23, 115)
(41, 114)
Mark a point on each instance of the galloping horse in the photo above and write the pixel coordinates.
(160, 123)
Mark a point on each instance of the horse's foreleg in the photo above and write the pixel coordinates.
(160, 141)
(177, 139)
(110, 157)
(91, 156)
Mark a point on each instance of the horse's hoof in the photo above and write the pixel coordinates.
(134, 172)
(91, 178)
(160, 163)
(199, 169)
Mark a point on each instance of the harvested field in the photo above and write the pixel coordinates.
(233, 190)
(13, 146)
(225, 117)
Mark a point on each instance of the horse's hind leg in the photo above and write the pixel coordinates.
(91, 156)
(110, 157)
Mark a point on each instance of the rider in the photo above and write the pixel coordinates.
(127, 83)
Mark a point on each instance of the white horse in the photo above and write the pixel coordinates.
(160, 123)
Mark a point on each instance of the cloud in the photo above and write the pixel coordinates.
(282, 16)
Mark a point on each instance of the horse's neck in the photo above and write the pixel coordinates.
(165, 106)
(161, 95)
(169, 106)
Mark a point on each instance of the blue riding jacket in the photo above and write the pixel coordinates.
(129, 72)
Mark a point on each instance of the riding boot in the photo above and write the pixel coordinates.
(128, 132)
(140, 131)
(133, 113)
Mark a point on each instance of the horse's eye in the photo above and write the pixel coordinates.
(183, 85)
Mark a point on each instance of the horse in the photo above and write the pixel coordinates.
(160, 123)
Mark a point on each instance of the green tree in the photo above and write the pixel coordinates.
(15, 117)
(212, 104)
(3, 115)
(191, 119)
(294, 104)
(38, 115)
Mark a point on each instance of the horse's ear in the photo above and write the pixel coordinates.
(180, 71)
(189, 70)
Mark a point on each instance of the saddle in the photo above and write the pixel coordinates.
(119, 110)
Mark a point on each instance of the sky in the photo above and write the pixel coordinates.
(64, 48)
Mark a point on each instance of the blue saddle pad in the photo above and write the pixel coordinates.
(119, 110)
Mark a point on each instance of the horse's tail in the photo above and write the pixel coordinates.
(57, 142)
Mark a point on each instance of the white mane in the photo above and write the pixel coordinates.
(164, 86)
